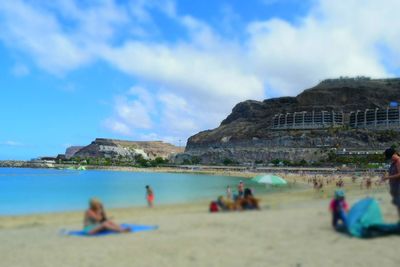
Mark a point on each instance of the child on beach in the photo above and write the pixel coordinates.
(149, 196)
(228, 192)
(339, 209)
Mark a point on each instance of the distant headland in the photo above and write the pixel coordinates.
(107, 152)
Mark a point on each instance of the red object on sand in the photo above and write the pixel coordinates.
(213, 206)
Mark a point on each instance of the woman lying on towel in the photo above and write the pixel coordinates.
(96, 220)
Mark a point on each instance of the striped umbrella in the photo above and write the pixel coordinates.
(269, 179)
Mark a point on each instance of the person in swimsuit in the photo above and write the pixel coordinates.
(241, 188)
(394, 176)
(95, 219)
(149, 196)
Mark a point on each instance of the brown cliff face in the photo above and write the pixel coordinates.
(71, 151)
(250, 121)
(111, 148)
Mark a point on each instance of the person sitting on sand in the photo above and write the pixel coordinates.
(225, 204)
(149, 196)
(248, 201)
(96, 221)
(338, 208)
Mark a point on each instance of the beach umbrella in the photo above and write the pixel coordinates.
(269, 179)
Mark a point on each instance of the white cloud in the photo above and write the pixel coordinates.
(117, 127)
(197, 79)
(140, 8)
(187, 70)
(335, 39)
(176, 114)
(38, 33)
(134, 113)
(60, 36)
(153, 116)
(11, 143)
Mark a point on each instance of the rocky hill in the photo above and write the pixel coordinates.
(111, 148)
(247, 135)
(71, 151)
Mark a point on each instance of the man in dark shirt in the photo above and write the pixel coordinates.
(394, 176)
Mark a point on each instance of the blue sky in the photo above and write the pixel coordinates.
(74, 70)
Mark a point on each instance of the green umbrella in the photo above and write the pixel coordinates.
(269, 179)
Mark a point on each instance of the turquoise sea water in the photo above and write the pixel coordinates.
(27, 191)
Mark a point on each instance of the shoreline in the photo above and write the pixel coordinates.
(292, 229)
(276, 201)
(239, 170)
(196, 170)
(298, 190)
(297, 184)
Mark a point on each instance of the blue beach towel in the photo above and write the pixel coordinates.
(134, 229)
(365, 220)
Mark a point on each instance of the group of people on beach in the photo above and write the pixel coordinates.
(242, 200)
(366, 182)
(338, 205)
(96, 220)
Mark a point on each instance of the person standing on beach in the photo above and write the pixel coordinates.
(394, 176)
(228, 192)
(241, 188)
(149, 196)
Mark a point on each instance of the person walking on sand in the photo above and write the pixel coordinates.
(149, 196)
(394, 176)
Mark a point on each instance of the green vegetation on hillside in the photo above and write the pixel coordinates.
(139, 161)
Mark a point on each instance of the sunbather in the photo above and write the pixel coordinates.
(96, 220)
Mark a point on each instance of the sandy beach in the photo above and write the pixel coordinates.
(291, 229)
